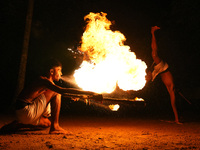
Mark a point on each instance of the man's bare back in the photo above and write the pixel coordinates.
(32, 91)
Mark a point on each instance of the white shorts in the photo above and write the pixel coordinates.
(32, 113)
(161, 67)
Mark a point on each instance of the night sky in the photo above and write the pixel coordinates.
(59, 24)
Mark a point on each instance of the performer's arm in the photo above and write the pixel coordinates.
(50, 85)
(154, 45)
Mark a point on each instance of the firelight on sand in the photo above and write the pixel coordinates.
(107, 61)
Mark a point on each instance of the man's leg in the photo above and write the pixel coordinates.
(55, 100)
(168, 81)
(44, 121)
(15, 126)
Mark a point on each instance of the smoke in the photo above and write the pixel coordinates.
(70, 80)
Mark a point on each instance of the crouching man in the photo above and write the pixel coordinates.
(42, 99)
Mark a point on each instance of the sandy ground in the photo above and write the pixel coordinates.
(107, 133)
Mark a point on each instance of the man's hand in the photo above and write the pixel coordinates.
(75, 99)
(153, 29)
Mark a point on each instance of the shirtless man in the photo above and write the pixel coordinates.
(33, 103)
(161, 68)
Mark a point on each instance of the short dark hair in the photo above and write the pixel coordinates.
(50, 63)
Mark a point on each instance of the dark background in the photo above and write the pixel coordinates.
(59, 24)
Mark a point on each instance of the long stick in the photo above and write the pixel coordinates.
(105, 99)
(88, 100)
(184, 97)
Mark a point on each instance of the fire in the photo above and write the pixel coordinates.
(107, 61)
(114, 107)
(139, 99)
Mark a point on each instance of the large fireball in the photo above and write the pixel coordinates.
(107, 61)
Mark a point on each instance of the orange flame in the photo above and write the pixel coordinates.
(139, 99)
(108, 61)
(114, 107)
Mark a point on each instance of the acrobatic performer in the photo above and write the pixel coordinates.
(161, 68)
(33, 103)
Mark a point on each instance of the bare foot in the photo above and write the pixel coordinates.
(177, 122)
(59, 130)
(44, 122)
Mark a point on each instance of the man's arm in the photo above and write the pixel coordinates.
(48, 84)
(74, 92)
(154, 45)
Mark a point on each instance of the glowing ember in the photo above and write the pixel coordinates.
(139, 99)
(114, 107)
(107, 61)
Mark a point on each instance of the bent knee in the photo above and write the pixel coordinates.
(58, 95)
(171, 88)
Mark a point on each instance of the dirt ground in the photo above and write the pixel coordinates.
(107, 133)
